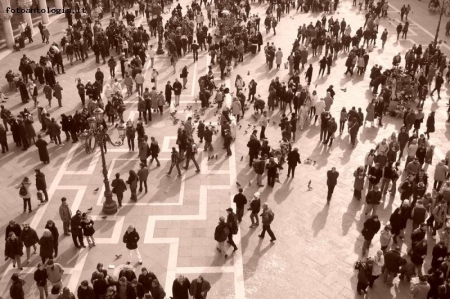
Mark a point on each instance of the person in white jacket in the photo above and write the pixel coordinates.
(312, 109)
(378, 263)
(116, 87)
(320, 107)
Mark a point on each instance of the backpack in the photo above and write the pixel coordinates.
(159, 149)
(23, 190)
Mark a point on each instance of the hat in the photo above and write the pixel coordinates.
(257, 194)
(229, 210)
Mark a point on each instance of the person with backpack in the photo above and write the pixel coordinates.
(175, 160)
(191, 151)
(232, 223)
(267, 217)
(221, 234)
(24, 192)
(255, 207)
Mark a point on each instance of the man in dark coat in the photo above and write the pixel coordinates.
(23, 135)
(199, 288)
(253, 149)
(119, 187)
(392, 263)
(41, 184)
(293, 159)
(41, 144)
(168, 92)
(240, 200)
(180, 287)
(332, 176)
(77, 233)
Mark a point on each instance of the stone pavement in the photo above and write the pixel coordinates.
(317, 244)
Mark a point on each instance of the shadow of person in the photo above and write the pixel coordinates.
(320, 220)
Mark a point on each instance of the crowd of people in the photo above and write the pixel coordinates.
(229, 31)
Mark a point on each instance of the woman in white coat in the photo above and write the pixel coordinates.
(320, 107)
(312, 109)
(303, 114)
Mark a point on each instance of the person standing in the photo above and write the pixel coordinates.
(41, 144)
(66, 215)
(332, 176)
(40, 277)
(29, 238)
(87, 225)
(371, 227)
(177, 91)
(233, 227)
(131, 239)
(199, 288)
(41, 184)
(267, 217)
(118, 188)
(24, 192)
(77, 233)
(133, 181)
(57, 92)
(438, 81)
(180, 287)
(85, 291)
(143, 175)
(184, 75)
(240, 200)
(221, 234)
(14, 250)
(358, 185)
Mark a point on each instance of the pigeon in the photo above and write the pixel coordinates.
(217, 156)
(309, 185)
(90, 209)
(239, 185)
(118, 256)
(245, 132)
(95, 190)
(240, 126)
(209, 158)
(249, 183)
(314, 163)
(316, 85)
(242, 158)
(249, 125)
(254, 127)
(344, 89)
(274, 123)
(104, 217)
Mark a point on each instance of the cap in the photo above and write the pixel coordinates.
(257, 194)
(229, 210)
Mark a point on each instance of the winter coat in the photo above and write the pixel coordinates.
(119, 186)
(359, 180)
(29, 237)
(370, 112)
(27, 187)
(46, 247)
(440, 172)
(392, 261)
(13, 248)
(64, 212)
(88, 227)
(371, 227)
(221, 233)
(131, 239)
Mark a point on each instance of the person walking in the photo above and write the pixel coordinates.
(54, 273)
(41, 184)
(240, 200)
(154, 151)
(191, 151)
(16, 288)
(14, 250)
(332, 176)
(143, 175)
(371, 227)
(177, 87)
(221, 234)
(255, 207)
(24, 192)
(180, 287)
(131, 239)
(232, 223)
(175, 161)
(267, 217)
(118, 188)
(40, 277)
(46, 243)
(66, 215)
(199, 288)
(87, 225)
(77, 233)
(50, 226)
(438, 81)
(30, 239)
(364, 275)
(358, 185)
(373, 199)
